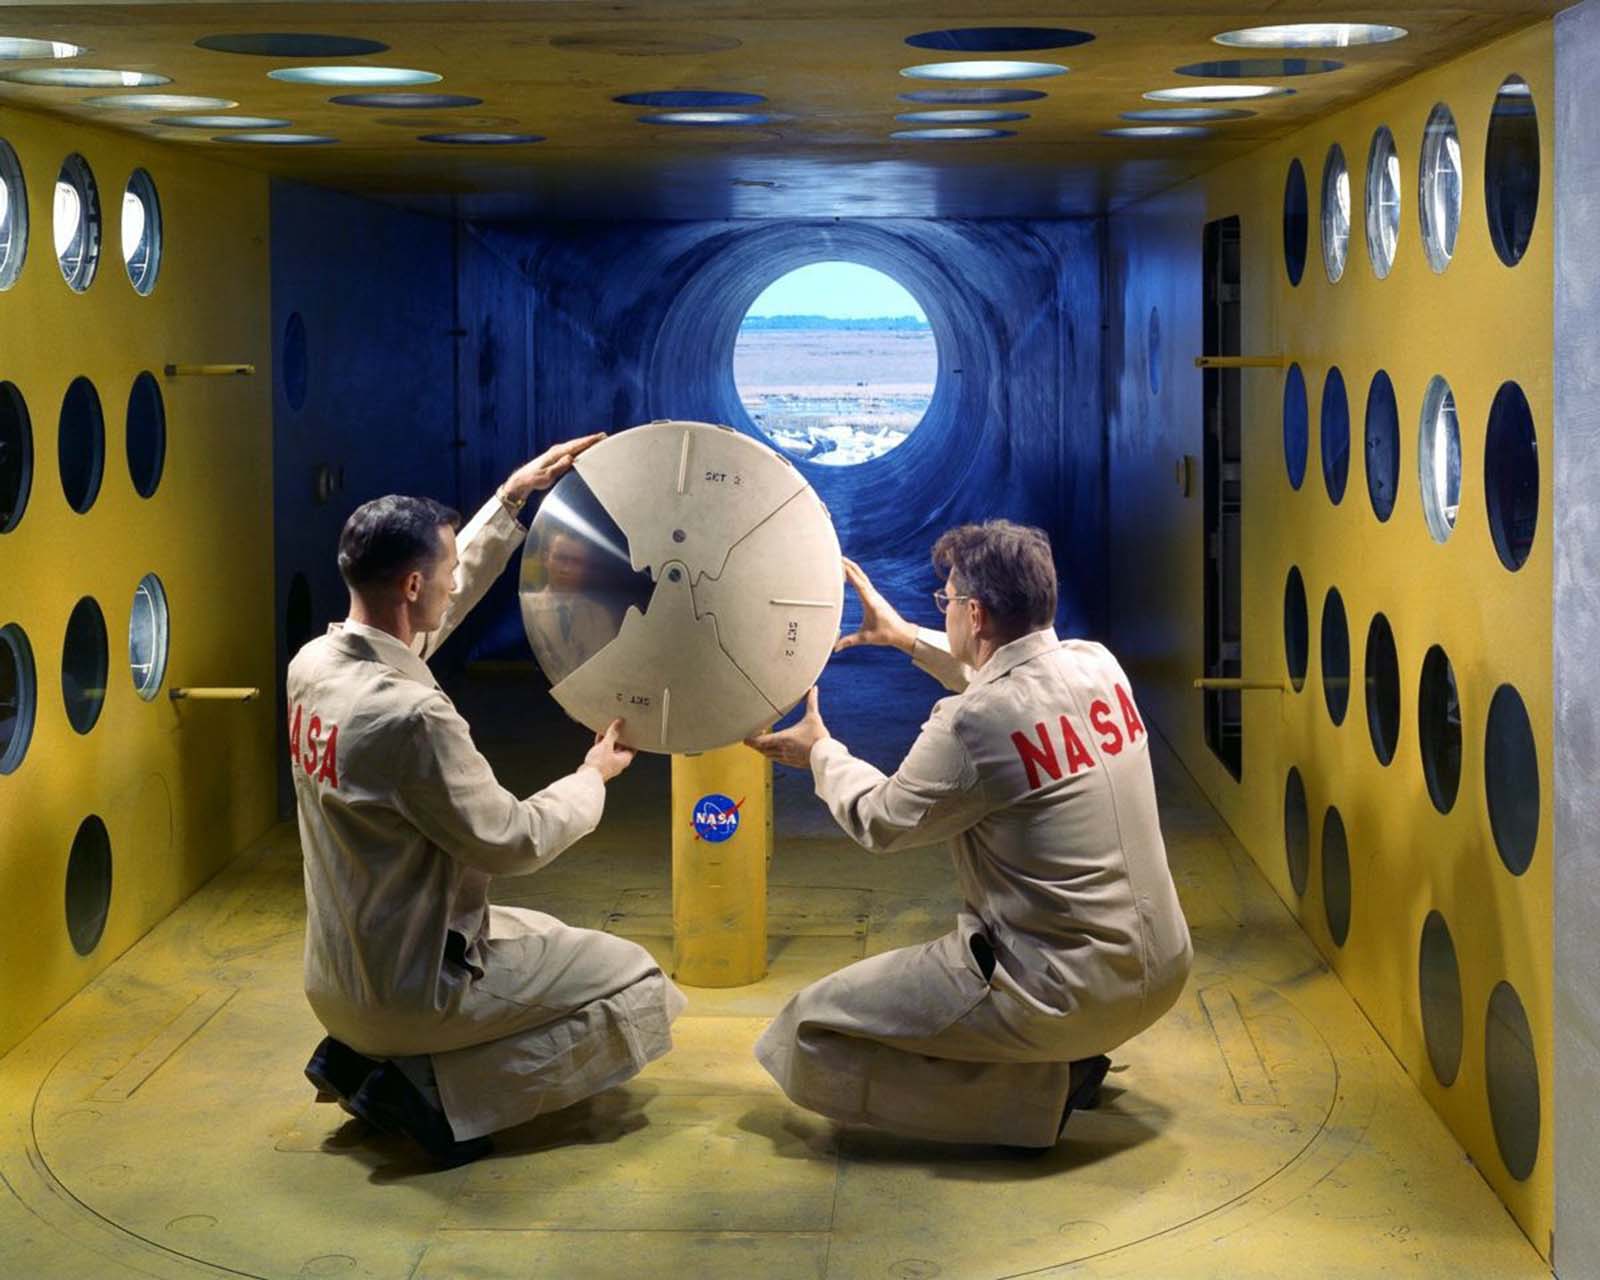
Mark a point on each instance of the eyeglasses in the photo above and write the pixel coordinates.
(943, 598)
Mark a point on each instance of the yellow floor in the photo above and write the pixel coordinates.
(159, 1125)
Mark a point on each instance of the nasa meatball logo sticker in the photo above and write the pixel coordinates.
(716, 818)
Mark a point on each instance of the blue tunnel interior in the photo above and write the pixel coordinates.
(454, 351)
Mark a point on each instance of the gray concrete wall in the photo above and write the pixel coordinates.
(1577, 639)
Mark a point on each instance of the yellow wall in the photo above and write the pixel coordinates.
(1478, 324)
(181, 787)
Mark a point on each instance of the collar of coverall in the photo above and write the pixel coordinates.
(1018, 651)
(371, 644)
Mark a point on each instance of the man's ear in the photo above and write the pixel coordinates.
(413, 586)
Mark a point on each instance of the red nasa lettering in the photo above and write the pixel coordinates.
(320, 759)
(1038, 751)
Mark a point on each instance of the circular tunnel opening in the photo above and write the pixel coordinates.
(835, 363)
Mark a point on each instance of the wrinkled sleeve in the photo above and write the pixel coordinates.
(934, 794)
(932, 654)
(451, 795)
(485, 547)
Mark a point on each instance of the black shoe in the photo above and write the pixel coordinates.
(338, 1070)
(388, 1101)
(1087, 1076)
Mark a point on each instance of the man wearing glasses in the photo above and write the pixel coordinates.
(1071, 940)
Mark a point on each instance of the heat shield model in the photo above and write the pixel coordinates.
(685, 578)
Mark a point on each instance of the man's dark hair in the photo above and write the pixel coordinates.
(1006, 567)
(389, 537)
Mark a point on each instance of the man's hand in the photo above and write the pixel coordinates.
(880, 624)
(793, 746)
(607, 758)
(547, 468)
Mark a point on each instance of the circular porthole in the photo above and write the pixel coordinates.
(13, 216)
(835, 363)
(1296, 628)
(147, 435)
(85, 664)
(1383, 201)
(147, 637)
(1439, 729)
(1382, 445)
(1439, 992)
(1511, 476)
(1335, 435)
(1335, 213)
(16, 456)
(1439, 459)
(77, 223)
(88, 885)
(1511, 1068)
(1296, 426)
(1439, 187)
(18, 696)
(81, 445)
(1511, 780)
(1511, 170)
(294, 365)
(1153, 351)
(141, 232)
(1383, 689)
(1297, 831)
(1296, 219)
(1336, 876)
(1335, 656)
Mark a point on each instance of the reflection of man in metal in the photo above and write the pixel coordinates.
(1072, 939)
(567, 625)
(453, 1018)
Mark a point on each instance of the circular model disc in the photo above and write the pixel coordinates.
(685, 578)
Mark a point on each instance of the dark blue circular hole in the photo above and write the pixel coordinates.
(1335, 656)
(147, 435)
(998, 39)
(1296, 426)
(1383, 445)
(1296, 221)
(81, 445)
(1511, 476)
(1335, 435)
(689, 98)
(973, 96)
(1511, 779)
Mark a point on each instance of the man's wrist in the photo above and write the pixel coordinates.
(510, 499)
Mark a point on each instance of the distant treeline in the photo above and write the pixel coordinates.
(834, 322)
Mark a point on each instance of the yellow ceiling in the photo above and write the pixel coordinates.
(829, 69)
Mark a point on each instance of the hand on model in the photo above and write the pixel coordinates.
(607, 757)
(547, 468)
(793, 746)
(880, 624)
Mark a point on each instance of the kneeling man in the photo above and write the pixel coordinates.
(449, 1018)
(1072, 939)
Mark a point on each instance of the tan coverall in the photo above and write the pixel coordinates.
(1072, 939)
(403, 826)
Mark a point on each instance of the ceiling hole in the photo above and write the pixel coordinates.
(960, 117)
(1511, 476)
(221, 122)
(1439, 991)
(1259, 68)
(1218, 93)
(992, 69)
(1511, 780)
(1439, 729)
(1383, 689)
(999, 39)
(481, 139)
(85, 78)
(689, 98)
(1191, 115)
(1159, 131)
(1511, 170)
(1310, 35)
(973, 95)
(290, 44)
(407, 101)
(158, 102)
(277, 139)
(26, 48)
(374, 77)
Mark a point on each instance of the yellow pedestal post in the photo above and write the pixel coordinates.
(721, 843)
